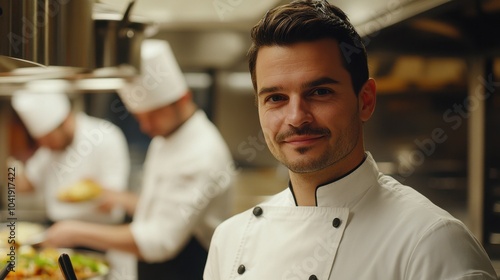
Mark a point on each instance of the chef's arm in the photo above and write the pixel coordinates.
(124, 199)
(129, 200)
(96, 236)
(22, 182)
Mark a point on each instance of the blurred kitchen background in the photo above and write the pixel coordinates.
(436, 62)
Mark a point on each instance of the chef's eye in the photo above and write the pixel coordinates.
(321, 91)
(275, 98)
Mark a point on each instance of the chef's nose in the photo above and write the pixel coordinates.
(49, 144)
(43, 142)
(298, 112)
(46, 141)
(144, 122)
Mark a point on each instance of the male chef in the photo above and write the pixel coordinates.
(340, 218)
(186, 182)
(74, 148)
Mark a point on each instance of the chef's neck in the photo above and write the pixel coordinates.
(185, 109)
(304, 185)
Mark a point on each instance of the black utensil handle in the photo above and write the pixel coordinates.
(5, 271)
(66, 267)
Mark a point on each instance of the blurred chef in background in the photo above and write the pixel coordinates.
(74, 150)
(186, 186)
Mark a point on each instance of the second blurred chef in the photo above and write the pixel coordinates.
(73, 147)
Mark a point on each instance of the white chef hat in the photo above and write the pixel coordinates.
(161, 81)
(41, 112)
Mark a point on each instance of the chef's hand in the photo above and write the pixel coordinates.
(111, 199)
(62, 234)
(107, 201)
(13, 162)
(22, 182)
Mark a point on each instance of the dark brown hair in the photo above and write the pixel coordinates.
(310, 20)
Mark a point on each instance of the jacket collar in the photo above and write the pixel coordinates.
(187, 130)
(346, 191)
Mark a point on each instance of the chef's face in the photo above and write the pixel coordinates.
(308, 110)
(58, 139)
(159, 122)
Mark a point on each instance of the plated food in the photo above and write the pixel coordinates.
(20, 233)
(42, 264)
(84, 190)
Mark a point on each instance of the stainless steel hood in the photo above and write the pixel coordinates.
(72, 40)
(214, 35)
(48, 32)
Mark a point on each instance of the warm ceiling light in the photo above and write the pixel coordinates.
(437, 27)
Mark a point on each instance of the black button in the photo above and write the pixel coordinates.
(241, 269)
(336, 222)
(257, 211)
(313, 277)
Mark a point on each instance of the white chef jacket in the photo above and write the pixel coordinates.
(99, 152)
(185, 192)
(366, 226)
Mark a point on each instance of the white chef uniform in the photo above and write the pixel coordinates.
(366, 226)
(183, 194)
(99, 152)
(177, 197)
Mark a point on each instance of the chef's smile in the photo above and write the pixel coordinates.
(303, 140)
(304, 137)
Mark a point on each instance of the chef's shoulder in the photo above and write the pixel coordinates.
(98, 129)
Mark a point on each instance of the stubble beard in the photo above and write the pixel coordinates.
(305, 162)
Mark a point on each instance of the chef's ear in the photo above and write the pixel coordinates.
(187, 97)
(367, 99)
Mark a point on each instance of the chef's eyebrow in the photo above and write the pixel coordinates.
(318, 82)
(269, 90)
